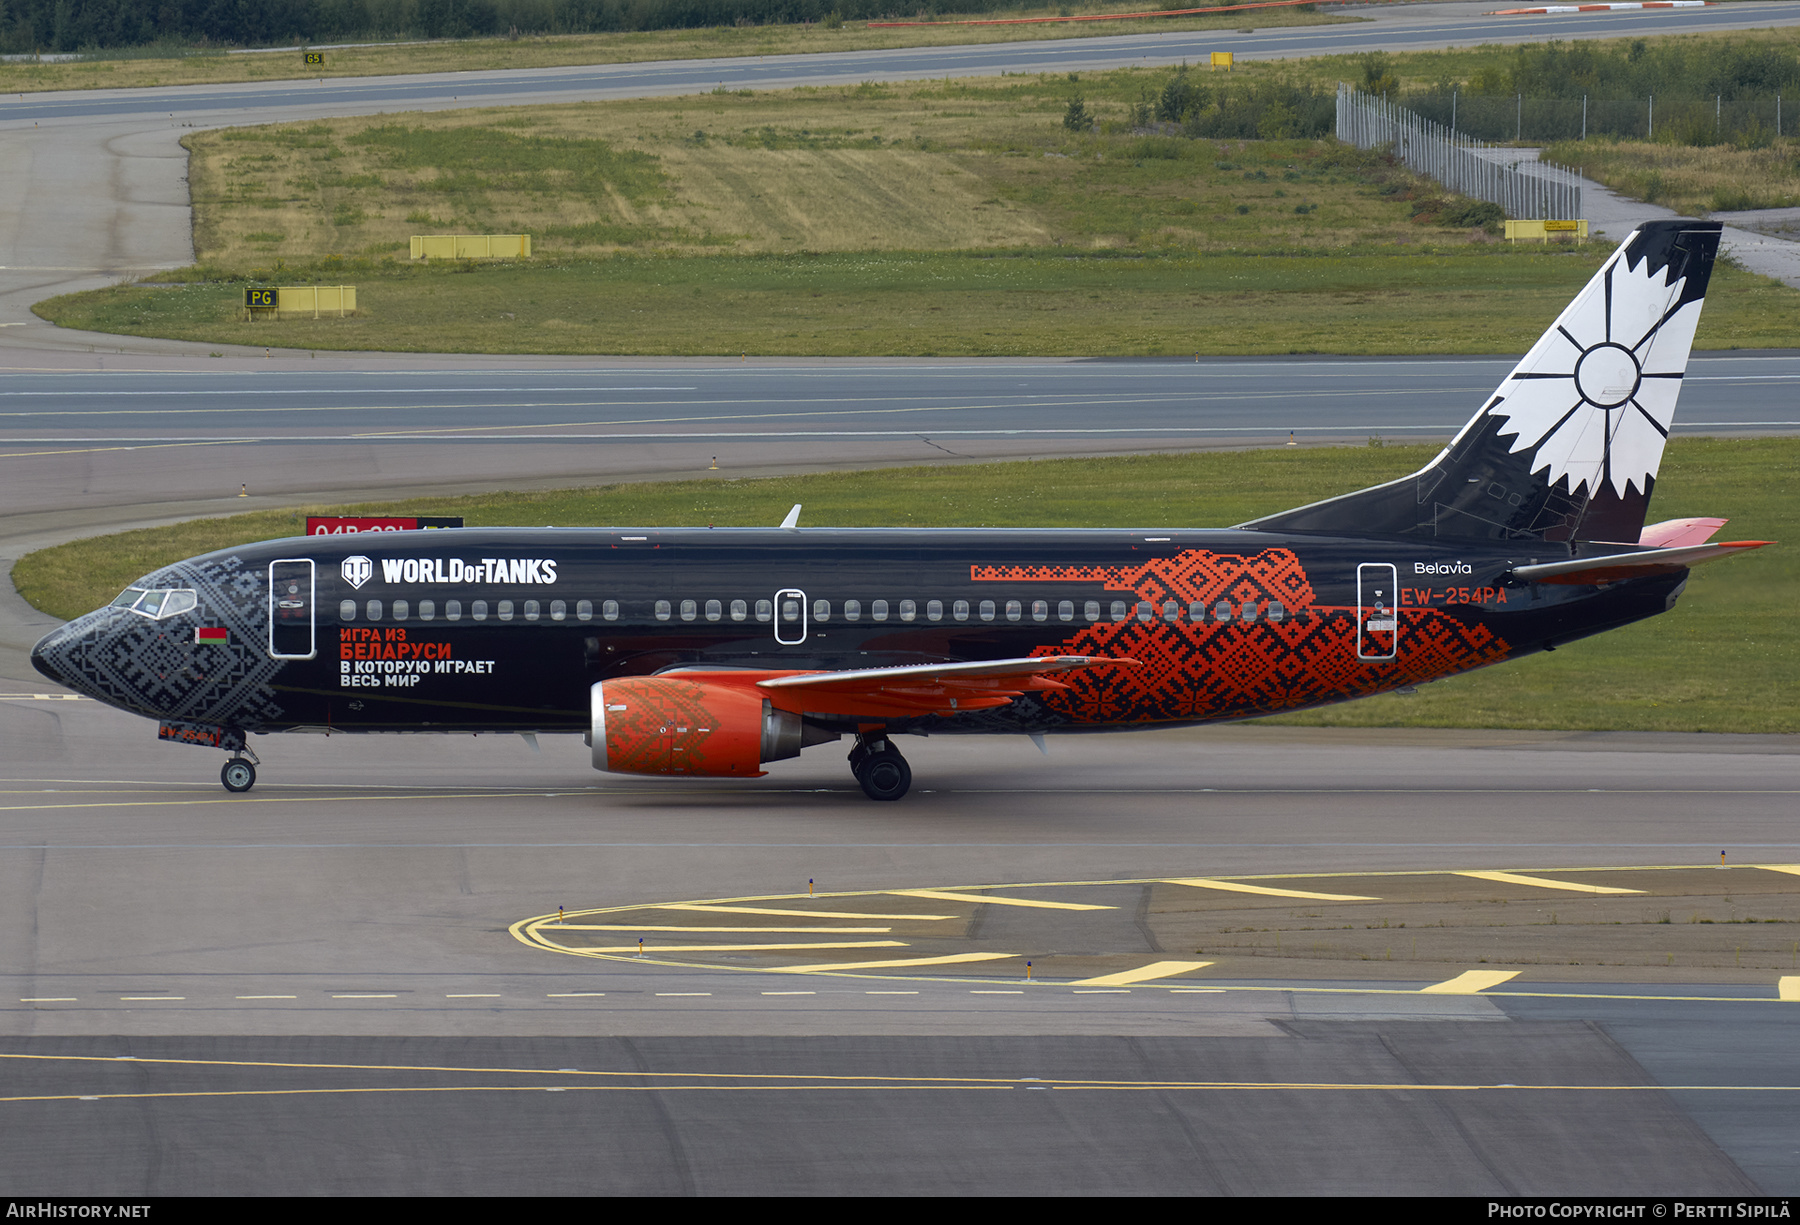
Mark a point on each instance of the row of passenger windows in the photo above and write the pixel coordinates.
(1221, 611)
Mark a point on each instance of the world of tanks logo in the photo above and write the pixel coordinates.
(357, 570)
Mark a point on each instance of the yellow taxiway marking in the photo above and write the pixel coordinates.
(268, 997)
(1792, 869)
(642, 1081)
(1788, 987)
(48, 999)
(852, 966)
(772, 931)
(660, 949)
(979, 898)
(1232, 886)
(1143, 974)
(1513, 878)
(1470, 982)
(790, 914)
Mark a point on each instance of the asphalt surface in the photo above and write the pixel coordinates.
(334, 951)
(315, 987)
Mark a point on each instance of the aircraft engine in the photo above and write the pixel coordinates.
(671, 725)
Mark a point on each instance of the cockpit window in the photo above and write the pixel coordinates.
(158, 604)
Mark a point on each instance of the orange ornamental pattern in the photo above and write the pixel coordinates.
(1213, 669)
(664, 725)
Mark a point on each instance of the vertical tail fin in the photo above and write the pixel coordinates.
(1568, 446)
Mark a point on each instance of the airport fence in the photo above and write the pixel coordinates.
(1682, 121)
(1463, 163)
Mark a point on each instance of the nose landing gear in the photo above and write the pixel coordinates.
(239, 773)
(879, 767)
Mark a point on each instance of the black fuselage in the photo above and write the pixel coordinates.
(508, 629)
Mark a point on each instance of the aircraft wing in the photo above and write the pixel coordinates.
(916, 689)
(1583, 570)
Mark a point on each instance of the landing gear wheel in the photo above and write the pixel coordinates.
(884, 775)
(238, 775)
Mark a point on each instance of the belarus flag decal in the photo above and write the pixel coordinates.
(218, 634)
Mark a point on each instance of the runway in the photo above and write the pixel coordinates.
(334, 949)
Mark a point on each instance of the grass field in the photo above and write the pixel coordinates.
(1725, 660)
(940, 304)
(935, 165)
(1694, 181)
(146, 70)
(932, 218)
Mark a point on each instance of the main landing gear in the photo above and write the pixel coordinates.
(239, 773)
(880, 769)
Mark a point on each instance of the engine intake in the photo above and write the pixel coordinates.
(672, 725)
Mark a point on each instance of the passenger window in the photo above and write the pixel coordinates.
(853, 610)
(531, 610)
(401, 609)
(878, 610)
(739, 610)
(1065, 611)
(1118, 610)
(347, 610)
(663, 610)
(478, 610)
(1144, 610)
(1091, 610)
(715, 611)
(689, 610)
(765, 611)
(987, 610)
(934, 610)
(427, 610)
(960, 610)
(1171, 611)
(1249, 611)
(372, 610)
(821, 610)
(506, 610)
(610, 610)
(558, 610)
(908, 610)
(1014, 610)
(453, 609)
(1277, 611)
(1040, 610)
(584, 610)
(1222, 611)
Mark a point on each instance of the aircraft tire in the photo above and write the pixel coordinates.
(884, 776)
(238, 775)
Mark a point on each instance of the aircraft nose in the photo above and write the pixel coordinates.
(50, 656)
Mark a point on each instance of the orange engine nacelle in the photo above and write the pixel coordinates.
(668, 725)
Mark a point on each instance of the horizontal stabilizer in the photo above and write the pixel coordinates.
(1678, 533)
(1583, 570)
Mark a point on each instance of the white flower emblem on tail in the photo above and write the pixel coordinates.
(1597, 392)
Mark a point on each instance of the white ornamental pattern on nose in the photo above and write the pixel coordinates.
(1597, 392)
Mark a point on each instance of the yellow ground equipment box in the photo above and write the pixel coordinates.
(471, 246)
(1541, 230)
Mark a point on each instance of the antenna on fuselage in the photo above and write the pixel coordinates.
(792, 522)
